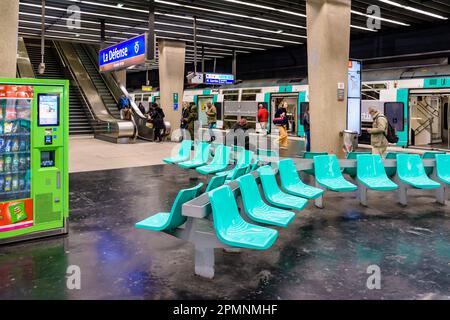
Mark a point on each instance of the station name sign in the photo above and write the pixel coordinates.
(128, 53)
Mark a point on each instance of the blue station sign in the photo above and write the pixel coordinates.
(128, 53)
(218, 79)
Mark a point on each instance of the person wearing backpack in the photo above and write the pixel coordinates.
(378, 132)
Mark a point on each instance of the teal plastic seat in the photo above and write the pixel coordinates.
(430, 155)
(257, 209)
(231, 229)
(410, 170)
(352, 156)
(220, 161)
(245, 158)
(371, 173)
(391, 156)
(215, 182)
(166, 221)
(239, 172)
(184, 153)
(329, 175)
(443, 167)
(311, 155)
(200, 158)
(291, 182)
(273, 193)
(267, 156)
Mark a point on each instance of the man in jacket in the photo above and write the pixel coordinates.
(211, 113)
(263, 117)
(191, 120)
(378, 132)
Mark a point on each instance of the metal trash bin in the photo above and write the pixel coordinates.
(350, 141)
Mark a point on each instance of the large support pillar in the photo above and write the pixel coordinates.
(9, 25)
(121, 77)
(171, 78)
(328, 23)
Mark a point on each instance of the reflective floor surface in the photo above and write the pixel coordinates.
(324, 254)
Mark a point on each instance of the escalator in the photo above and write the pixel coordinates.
(105, 93)
(79, 122)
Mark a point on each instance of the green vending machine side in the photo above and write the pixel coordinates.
(34, 176)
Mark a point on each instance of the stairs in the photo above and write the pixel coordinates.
(104, 92)
(78, 121)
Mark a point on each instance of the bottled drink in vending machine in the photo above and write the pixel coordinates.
(27, 180)
(22, 181)
(8, 182)
(2, 183)
(7, 163)
(15, 163)
(22, 162)
(15, 182)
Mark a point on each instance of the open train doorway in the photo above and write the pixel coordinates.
(277, 100)
(429, 118)
(201, 109)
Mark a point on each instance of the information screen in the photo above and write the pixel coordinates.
(354, 97)
(48, 110)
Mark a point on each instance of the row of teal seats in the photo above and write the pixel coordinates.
(226, 218)
(371, 174)
(246, 162)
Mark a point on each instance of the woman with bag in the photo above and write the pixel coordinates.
(281, 122)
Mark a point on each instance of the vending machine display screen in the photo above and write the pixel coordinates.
(48, 110)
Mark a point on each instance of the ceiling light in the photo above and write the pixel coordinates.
(427, 13)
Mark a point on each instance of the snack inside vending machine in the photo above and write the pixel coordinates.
(33, 158)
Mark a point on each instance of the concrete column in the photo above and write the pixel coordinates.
(171, 78)
(328, 23)
(9, 25)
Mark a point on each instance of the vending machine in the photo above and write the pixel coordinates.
(34, 131)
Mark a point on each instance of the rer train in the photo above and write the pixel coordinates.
(416, 102)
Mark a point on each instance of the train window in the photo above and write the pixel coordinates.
(230, 95)
(395, 113)
(250, 95)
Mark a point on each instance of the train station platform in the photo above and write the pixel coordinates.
(324, 254)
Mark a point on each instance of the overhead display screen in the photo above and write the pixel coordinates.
(354, 96)
(216, 78)
(48, 110)
(128, 53)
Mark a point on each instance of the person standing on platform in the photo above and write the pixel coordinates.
(184, 119)
(191, 121)
(211, 113)
(378, 132)
(306, 126)
(281, 121)
(263, 117)
(158, 123)
(141, 108)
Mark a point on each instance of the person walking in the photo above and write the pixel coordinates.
(211, 113)
(281, 122)
(158, 123)
(263, 117)
(191, 121)
(184, 119)
(306, 126)
(378, 132)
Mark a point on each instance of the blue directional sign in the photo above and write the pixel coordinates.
(125, 54)
(216, 78)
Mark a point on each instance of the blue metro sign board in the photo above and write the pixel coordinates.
(124, 54)
(216, 78)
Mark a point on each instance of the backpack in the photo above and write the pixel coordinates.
(391, 134)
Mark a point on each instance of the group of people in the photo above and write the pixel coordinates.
(189, 115)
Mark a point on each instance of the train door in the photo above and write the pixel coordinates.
(446, 120)
(429, 118)
(277, 100)
(201, 108)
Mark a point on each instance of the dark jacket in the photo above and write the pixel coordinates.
(158, 118)
(184, 116)
(306, 123)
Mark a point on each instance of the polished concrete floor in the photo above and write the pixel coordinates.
(323, 254)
